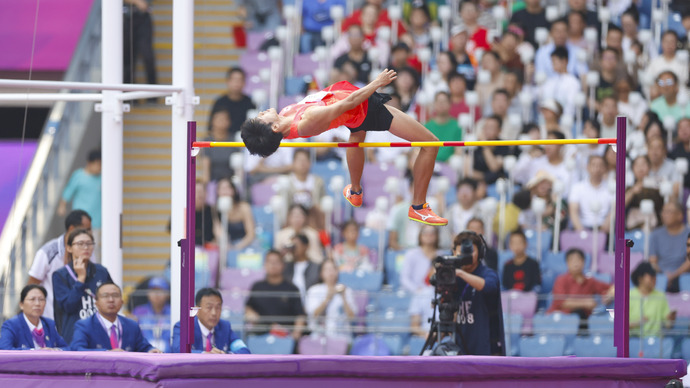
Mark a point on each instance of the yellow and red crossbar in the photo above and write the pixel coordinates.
(478, 143)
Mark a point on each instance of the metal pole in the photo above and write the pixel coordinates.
(182, 112)
(187, 250)
(112, 85)
(50, 97)
(111, 140)
(622, 259)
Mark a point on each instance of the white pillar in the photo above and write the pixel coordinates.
(111, 140)
(183, 111)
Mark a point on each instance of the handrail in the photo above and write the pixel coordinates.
(33, 210)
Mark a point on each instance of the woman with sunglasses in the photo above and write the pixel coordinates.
(29, 330)
(75, 284)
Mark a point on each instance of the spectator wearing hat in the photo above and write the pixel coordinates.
(551, 112)
(649, 310)
(154, 315)
(540, 186)
(467, 63)
(530, 18)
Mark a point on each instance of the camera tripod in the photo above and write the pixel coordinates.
(444, 326)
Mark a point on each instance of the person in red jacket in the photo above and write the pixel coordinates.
(361, 110)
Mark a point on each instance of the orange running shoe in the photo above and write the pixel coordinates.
(354, 199)
(426, 216)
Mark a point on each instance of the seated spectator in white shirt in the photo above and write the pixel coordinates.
(561, 85)
(662, 168)
(297, 224)
(305, 188)
(583, 214)
(330, 306)
(466, 207)
(668, 60)
(559, 38)
(260, 168)
(608, 111)
(553, 162)
(417, 264)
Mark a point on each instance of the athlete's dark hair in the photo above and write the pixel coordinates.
(259, 137)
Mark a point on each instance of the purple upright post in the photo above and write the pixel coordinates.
(187, 245)
(621, 320)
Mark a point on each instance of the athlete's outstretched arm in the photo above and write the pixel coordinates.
(317, 119)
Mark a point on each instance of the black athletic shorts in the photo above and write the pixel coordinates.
(379, 118)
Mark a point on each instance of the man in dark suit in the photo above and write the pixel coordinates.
(211, 334)
(106, 330)
(302, 272)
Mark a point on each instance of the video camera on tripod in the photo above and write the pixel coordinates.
(445, 286)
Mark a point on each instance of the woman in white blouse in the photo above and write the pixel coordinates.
(329, 305)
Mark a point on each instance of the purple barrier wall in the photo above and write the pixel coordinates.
(58, 28)
(15, 162)
(106, 369)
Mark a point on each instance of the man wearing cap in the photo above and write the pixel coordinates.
(106, 330)
(648, 306)
(154, 316)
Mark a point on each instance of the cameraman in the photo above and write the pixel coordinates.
(479, 317)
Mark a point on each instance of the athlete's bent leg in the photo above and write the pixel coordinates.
(355, 164)
(410, 129)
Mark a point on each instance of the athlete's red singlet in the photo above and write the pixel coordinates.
(329, 96)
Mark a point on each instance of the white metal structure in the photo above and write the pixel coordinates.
(113, 94)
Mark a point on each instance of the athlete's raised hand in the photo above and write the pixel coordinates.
(386, 77)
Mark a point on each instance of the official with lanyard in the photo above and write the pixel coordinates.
(106, 330)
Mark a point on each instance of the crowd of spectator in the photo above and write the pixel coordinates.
(534, 75)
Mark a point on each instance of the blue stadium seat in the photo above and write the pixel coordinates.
(358, 280)
(390, 321)
(327, 170)
(554, 262)
(503, 258)
(369, 345)
(686, 349)
(512, 325)
(389, 300)
(601, 324)
(546, 240)
(602, 277)
(638, 238)
(558, 323)
(395, 343)
(263, 216)
(548, 278)
(595, 346)
(684, 281)
(393, 260)
(415, 345)
(661, 282)
(370, 238)
(542, 346)
(270, 344)
(652, 347)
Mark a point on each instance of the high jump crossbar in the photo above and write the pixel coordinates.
(478, 143)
